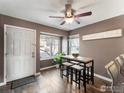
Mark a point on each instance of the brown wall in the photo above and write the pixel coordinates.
(1, 53)
(22, 23)
(104, 50)
(46, 63)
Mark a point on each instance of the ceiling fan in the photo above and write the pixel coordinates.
(70, 14)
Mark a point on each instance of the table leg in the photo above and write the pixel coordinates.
(92, 73)
(84, 79)
(71, 75)
(88, 78)
(61, 71)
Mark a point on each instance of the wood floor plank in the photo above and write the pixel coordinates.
(50, 82)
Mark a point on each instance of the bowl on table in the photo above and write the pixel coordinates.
(75, 55)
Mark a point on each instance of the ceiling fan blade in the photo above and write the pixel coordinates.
(62, 23)
(77, 21)
(84, 14)
(55, 17)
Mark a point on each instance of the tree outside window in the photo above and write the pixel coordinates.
(49, 46)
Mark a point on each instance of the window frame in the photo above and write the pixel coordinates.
(53, 37)
(71, 37)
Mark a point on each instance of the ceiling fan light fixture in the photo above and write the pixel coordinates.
(69, 20)
(68, 14)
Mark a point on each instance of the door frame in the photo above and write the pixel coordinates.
(5, 36)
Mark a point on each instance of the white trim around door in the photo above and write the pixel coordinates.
(5, 52)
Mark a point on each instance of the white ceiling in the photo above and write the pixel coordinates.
(39, 11)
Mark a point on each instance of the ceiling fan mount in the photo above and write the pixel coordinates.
(70, 14)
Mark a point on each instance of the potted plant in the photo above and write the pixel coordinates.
(58, 59)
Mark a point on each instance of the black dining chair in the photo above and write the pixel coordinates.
(76, 72)
(65, 69)
(89, 72)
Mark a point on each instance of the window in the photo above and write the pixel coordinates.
(65, 45)
(74, 44)
(49, 46)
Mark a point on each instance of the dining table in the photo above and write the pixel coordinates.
(84, 61)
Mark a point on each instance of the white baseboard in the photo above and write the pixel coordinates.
(37, 74)
(103, 77)
(48, 67)
(2, 84)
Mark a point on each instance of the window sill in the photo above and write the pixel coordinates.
(46, 59)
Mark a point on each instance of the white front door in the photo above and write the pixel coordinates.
(20, 52)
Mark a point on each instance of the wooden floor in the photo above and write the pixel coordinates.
(51, 82)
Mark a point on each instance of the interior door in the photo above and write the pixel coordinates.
(20, 52)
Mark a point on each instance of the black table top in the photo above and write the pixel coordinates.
(78, 59)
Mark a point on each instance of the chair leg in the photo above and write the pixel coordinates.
(67, 71)
(79, 78)
(71, 75)
(76, 76)
(88, 78)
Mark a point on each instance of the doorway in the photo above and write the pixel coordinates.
(20, 52)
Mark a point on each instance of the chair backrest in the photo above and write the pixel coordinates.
(113, 71)
(116, 71)
(120, 60)
(122, 55)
